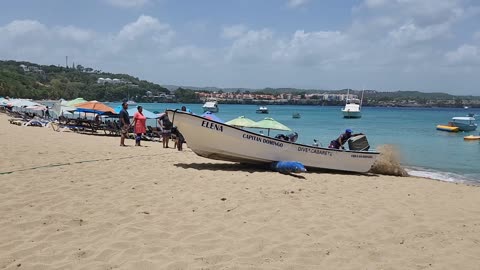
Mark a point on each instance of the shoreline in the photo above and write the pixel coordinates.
(294, 104)
(111, 207)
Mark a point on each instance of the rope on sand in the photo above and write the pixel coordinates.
(73, 163)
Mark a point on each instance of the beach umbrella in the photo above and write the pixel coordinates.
(36, 108)
(94, 107)
(22, 103)
(74, 102)
(212, 116)
(269, 123)
(131, 111)
(241, 121)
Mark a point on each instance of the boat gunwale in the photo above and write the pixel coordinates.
(278, 140)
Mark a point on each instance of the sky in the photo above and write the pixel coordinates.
(387, 45)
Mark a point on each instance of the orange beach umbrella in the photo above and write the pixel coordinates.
(94, 106)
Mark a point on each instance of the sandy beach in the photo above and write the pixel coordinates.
(72, 201)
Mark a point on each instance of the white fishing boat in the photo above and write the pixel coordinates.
(211, 105)
(262, 109)
(220, 141)
(352, 107)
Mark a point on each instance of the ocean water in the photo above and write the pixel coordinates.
(424, 151)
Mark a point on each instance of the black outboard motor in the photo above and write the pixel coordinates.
(358, 143)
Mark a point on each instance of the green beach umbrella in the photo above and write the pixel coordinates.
(241, 121)
(269, 123)
(74, 102)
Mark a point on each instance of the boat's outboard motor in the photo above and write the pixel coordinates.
(358, 143)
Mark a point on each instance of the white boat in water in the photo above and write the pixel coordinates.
(262, 109)
(466, 123)
(352, 107)
(211, 105)
(220, 141)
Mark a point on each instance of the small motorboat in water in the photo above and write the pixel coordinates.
(472, 138)
(262, 109)
(296, 115)
(211, 105)
(464, 123)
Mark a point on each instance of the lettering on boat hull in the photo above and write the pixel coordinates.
(211, 125)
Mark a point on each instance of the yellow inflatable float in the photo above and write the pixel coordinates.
(448, 128)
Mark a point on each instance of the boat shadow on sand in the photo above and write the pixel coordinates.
(232, 167)
(251, 168)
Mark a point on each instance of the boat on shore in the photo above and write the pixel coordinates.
(262, 109)
(220, 141)
(211, 105)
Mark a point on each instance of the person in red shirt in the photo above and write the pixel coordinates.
(139, 123)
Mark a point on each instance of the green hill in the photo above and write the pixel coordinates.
(29, 80)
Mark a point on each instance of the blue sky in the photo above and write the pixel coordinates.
(425, 45)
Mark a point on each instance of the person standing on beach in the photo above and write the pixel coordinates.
(124, 123)
(166, 126)
(139, 124)
(47, 113)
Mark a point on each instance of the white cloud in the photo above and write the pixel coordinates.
(20, 28)
(127, 3)
(146, 27)
(375, 3)
(252, 47)
(74, 33)
(313, 48)
(297, 3)
(233, 31)
(410, 33)
(465, 54)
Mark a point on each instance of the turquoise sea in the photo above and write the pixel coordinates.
(424, 151)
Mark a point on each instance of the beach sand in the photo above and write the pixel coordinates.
(74, 201)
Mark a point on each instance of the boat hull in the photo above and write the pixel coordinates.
(215, 140)
(465, 127)
(471, 138)
(210, 109)
(351, 114)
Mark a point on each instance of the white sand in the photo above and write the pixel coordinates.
(108, 207)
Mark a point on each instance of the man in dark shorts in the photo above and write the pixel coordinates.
(124, 123)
